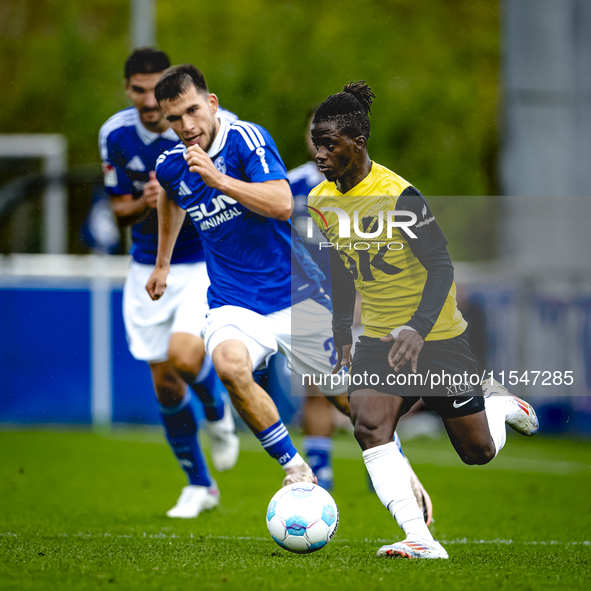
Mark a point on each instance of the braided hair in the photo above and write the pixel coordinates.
(349, 109)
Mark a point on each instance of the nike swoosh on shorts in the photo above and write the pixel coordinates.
(456, 405)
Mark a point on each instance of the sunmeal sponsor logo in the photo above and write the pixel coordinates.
(221, 212)
(377, 227)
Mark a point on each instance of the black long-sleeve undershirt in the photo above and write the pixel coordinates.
(343, 300)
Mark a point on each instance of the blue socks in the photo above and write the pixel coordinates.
(181, 431)
(209, 390)
(277, 443)
(319, 455)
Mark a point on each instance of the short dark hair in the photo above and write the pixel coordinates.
(146, 60)
(176, 80)
(349, 109)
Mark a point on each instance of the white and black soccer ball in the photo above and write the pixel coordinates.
(302, 517)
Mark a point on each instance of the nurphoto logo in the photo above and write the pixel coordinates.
(373, 227)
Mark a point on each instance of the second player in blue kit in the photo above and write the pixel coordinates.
(166, 335)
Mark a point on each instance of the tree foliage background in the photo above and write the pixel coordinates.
(433, 64)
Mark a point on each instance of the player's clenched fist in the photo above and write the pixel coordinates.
(201, 163)
(151, 191)
(156, 284)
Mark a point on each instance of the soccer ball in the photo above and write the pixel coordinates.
(302, 517)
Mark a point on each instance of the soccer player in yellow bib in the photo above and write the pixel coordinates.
(385, 243)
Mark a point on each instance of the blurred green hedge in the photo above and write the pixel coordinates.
(433, 65)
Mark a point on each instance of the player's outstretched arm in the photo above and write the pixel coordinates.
(170, 221)
(271, 199)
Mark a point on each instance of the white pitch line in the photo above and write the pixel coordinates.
(163, 536)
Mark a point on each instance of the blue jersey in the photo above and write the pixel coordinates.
(302, 180)
(129, 152)
(249, 256)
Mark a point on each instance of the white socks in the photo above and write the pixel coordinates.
(297, 460)
(390, 476)
(496, 414)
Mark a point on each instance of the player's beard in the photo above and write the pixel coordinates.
(212, 134)
(145, 114)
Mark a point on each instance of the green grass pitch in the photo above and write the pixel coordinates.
(82, 510)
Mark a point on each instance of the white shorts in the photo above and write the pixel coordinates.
(182, 308)
(303, 333)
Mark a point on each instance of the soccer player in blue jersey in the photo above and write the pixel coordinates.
(165, 334)
(233, 183)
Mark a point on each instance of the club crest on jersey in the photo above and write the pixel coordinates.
(220, 164)
(221, 211)
(369, 223)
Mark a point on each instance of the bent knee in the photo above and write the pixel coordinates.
(185, 362)
(478, 456)
(369, 435)
(169, 389)
(186, 353)
(232, 364)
